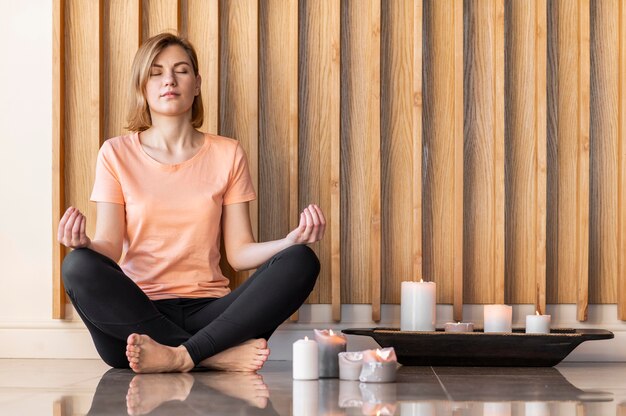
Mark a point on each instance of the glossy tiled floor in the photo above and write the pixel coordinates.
(79, 387)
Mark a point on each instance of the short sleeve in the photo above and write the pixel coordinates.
(106, 187)
(240, 188)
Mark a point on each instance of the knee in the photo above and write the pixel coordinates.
(304, 259)
(77, 267)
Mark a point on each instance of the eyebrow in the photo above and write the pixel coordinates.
(175, 65)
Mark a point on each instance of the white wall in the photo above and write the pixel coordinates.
(26, 329)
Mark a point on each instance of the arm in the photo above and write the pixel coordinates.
(244, 253)
(110, 226)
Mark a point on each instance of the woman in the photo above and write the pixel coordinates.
(164, 193)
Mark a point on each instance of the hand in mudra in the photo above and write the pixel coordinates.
(71, 231)
(311, 228)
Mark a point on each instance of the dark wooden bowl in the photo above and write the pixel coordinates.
(479, 349)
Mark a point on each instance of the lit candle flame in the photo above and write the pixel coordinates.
(306, 338)
(537, 312)
(384, 355)
(421, 280)
(330, 332)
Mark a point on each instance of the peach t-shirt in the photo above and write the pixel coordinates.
(173, 212)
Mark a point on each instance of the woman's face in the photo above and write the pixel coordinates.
(172, 85)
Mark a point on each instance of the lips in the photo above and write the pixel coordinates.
(169, 94)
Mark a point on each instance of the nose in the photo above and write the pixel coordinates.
(169, 79)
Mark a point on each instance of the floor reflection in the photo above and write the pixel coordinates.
(419, 391)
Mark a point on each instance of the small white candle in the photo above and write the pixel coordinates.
(305, 397)
(537, 324)
(379, 366)
(418, 306)
(350, 364)
(459, 327)
(537, 408)
(418, 408)
(498, 318)
(305, 360)
(329, 344)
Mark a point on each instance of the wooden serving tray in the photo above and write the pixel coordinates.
(479, 349)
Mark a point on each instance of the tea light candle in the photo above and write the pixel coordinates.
(330, 344)
(417, 306)
(350, 364)
(537, 324)
(498, 318)
(379, 366)
(459, 327)
(305, 359)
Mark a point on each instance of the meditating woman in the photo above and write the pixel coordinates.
(164, 194)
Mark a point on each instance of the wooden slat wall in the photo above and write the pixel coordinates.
(401, 145)
(526, 171)
(437, 148)
(568, 158)
(442, 164)
(483, 248)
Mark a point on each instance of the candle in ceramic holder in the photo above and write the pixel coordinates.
(459, 327)
(350, 364)
(305, 359)
(418, 306)
(498, 318)
(537, 324)
(379, 366)
(330, 344)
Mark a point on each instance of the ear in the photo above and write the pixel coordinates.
(198, 84)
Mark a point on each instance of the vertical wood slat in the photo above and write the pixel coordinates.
(159, 16)
(484, 152)
(122, 37)
(604, 147)
(278, 107)
(526, 152)
(442, 164)
(401, 145)
(568, 140)
(621, 191)
(582, 202)
(239, 89)
(360, 150)
(200, 24)
(58, 153)
(84, 109)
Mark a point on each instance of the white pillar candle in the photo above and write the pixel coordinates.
(417, 306)
(379, 366)
(536, 409)
(498, 318)
(305, 397)
(350, 364)
(305, 359)
(459, 327)
(497, 409)
(329, 344)
(418, 409)
(537, 324)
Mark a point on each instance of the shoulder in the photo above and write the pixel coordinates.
(118, 147)
(221, 143)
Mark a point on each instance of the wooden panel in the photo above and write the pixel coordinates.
(442, 162)
(621, 190)
(526, 152)
(239, 86)
(360, 152)
(604, 142)
(83, 104)
(121, 38)
(319, 139)
(401, 145)
(203, 33)
(483, 249)
(58, 153)
(160, 16)
(568, 141)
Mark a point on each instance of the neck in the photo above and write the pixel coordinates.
(171, 132)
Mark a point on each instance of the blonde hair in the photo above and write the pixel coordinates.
(139, 118)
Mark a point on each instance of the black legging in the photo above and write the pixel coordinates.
(113, 307)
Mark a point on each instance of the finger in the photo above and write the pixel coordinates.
(63, 221)
(314, 216)
(83, 233)
(320, 214)
(69, 226)
(76, 229)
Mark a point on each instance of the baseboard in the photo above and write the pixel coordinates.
(70, 339)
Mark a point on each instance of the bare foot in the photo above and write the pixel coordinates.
(146, 392)
(148, 356)
(244, 386)
(248, 356)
